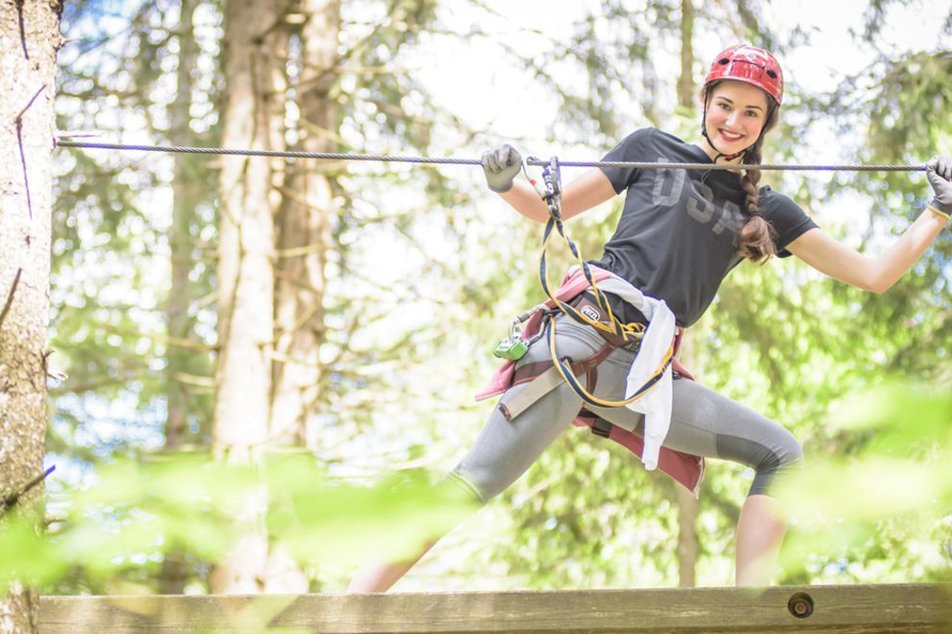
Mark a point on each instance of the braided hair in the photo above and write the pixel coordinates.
(755, 241)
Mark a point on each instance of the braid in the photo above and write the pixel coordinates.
(756, 238)
(751, 178)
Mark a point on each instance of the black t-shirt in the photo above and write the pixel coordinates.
(676, 237)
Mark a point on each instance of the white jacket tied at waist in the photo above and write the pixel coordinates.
(656, 402)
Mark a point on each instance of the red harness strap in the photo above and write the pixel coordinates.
(686, 469)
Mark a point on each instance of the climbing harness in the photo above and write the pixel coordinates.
(617, 334)
(536, 379)
(580, 298)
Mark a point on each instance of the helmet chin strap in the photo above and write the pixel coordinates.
(729, 157)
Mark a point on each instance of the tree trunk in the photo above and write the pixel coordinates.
(174, 572)
(687, 503)
(29, 32)
(687, 537)
(686, 95)
(183, 200)
(304, 234)
(687, 506)
(254, 54)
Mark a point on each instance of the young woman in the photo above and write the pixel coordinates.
(679, 234)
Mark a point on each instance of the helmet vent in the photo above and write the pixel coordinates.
(723, 61)
(772, 74)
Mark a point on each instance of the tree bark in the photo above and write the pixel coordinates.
(686, 96)
(687, 537)
(174, 573)
(255, 78)
(687, 503)
(183, 200)
(29, 41)
(304, 234)
(687, 506)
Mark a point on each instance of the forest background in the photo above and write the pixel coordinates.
(340, 316)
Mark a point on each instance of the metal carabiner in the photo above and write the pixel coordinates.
(552, 177)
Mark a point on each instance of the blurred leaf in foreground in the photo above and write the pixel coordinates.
(138, 510)
(899, 471)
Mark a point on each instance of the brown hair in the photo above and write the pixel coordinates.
(756, 238)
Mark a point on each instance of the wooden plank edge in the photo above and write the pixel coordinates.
(857, 608)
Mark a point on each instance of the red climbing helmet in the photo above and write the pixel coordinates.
(751, 65)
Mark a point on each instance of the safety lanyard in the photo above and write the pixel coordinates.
(552, 195)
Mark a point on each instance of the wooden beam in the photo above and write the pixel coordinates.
(857, 609)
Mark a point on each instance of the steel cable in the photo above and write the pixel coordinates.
(384, 158)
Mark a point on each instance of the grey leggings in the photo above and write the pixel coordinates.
(703, 422)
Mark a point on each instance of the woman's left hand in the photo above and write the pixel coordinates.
(939, 174)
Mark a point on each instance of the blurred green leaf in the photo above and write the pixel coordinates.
(901, 476)
(137, 509)
(24, 554)
(903, 416)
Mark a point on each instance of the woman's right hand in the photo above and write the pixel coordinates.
(501, 167)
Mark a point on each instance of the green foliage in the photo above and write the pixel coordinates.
(407, 344)
(912, 98)
(886, 500)
(111, 247)
(138, 510)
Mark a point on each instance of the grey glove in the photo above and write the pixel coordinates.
(501, 167)
(939, 173)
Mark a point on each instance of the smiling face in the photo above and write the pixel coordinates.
(736, 115)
